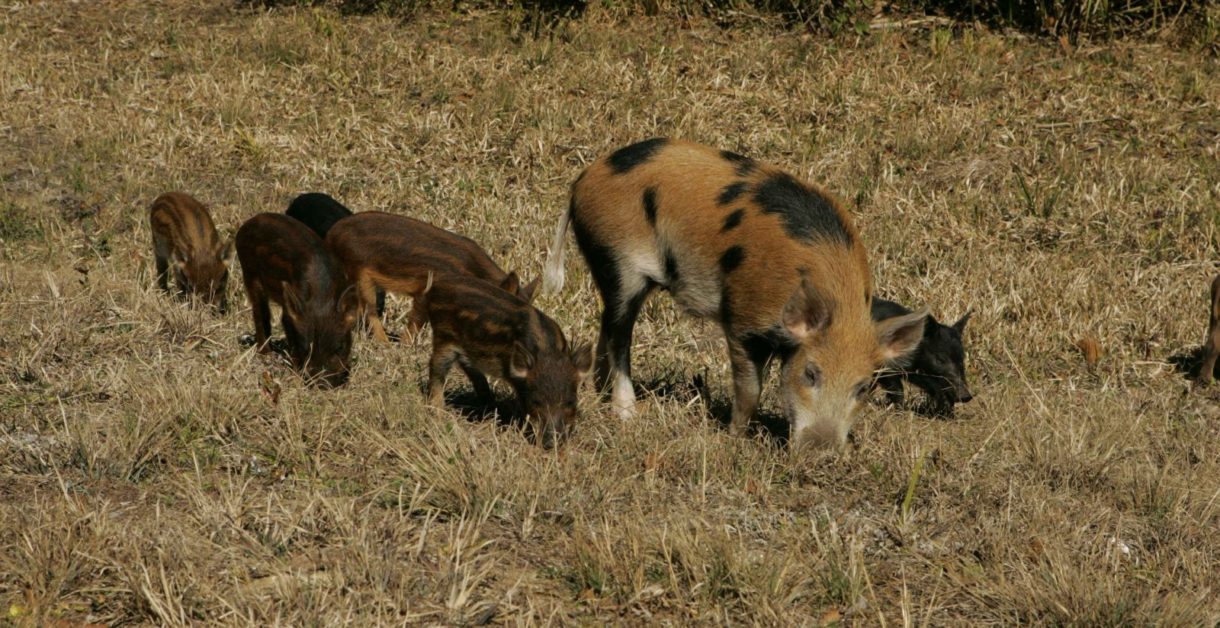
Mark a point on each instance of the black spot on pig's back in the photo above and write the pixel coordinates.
(626, 158)
(806, 214)
(743, 165)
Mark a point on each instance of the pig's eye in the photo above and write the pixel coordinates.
(812, 375)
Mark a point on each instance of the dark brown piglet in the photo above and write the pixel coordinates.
(396, 253)
(283, 261)
(185, 242)
(487, 330)
(1211, 346)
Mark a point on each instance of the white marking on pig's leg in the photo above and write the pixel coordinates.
(623, 398)
(614, 348)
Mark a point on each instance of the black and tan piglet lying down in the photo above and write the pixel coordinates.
(938, 365)
(185, 242)
(776, 261)
(283, 261)
(487, 330)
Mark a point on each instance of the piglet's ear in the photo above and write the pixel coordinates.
(898, 337)
(349, 303)
(520, 362)
(226, 252)
(807, 312)
(292, 301)
(960, 325)
(511, 283)
(530, 289)
(582, 359)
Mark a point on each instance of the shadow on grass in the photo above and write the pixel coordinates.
(502, 410)
(275, 346)
(1188, 362)
(771, 425)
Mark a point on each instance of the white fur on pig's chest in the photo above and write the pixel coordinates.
(696, 286)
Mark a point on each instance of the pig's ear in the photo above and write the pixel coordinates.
(582, 359)
(960, 325)
(225, 252)
(511, 283)
(529, 290)
(521, 361)
(899, 336)
(349, 303)
(806, 312)
(292, 301)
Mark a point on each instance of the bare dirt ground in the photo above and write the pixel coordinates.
(147, 478)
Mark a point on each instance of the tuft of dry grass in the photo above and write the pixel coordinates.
(153, 470)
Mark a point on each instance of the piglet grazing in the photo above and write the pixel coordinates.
(938, 365)
(486, 329)
(1211, 346)
(283, 261)
(185, 242)
(397, 253)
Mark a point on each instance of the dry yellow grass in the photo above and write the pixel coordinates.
(146, 478)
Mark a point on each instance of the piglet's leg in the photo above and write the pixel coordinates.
(367, 291)
(481, 388)
(162, 271)
(747, 387)
(613, 367)
(443, 357)
(416, 318)
(892, 385)
(1211, 352)
(1211, 348)
(262, 316)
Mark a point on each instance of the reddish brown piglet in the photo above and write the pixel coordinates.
(396, 254)
(185, 242)
(487, 330)
(284, 261)
(1211, 346)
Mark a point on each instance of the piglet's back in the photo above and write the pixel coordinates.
(185, 222)
(471, 308)
(281, 248)
(396, 245)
